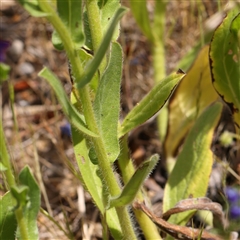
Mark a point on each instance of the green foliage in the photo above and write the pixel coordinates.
(107, 11)
(28, 200)
(154, 30)
(70, 13)
(2, 167)
(94, 65)
(225, 62)
(33, 8)
(86, 167)
(191, 172)
(8, 222)
(193, 94)
(95, 186)
(74, 116)
(6, 167)
(94, 114)
(20, 193)
(131, 188)
(4, 72)
(19, 209)
(107, 103)
(151, 103)
(86, 59)
(140, 13)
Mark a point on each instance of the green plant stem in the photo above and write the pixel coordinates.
(158, 47)
(94, 20)
(21, 223)
(159, 61)
(65, 37)
(104, 165)
(11, 95)
(159, 64)
(5, 159)
(200, 22)
(127, 170)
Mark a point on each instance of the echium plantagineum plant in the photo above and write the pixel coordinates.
(100, 139)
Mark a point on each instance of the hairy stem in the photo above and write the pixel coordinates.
(104, 165)
(94, 21)
(127, 169)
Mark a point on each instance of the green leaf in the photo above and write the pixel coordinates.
(30, 211)
(5, 158)
(151, 103)
(56, 40)
(107, 11)
(235, 29)
(33, 8)
(107, 103)
(8, 222)
(193, 94)
(70, 12)
(4, 72)
(20, 193)
(92, 179)
(225, 62)
(140, 13)
(2, 167)
(192, 170)
(87, 168)
(92, 67)
(86, 58)
(93, 156)
(71, 113)
(131, 189)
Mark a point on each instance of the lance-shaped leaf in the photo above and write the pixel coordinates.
(28, 199)
(107, 10)
(191, 172)
(93, 66)
(87, 168)
(225, 62)
(8, 222)
(193, 94)
(70, 12)
(132, 187)
(33, 8)
(140, 13)
(70, 111)
(86, 58)
(91, 178)
(151, 103)
(107, 103)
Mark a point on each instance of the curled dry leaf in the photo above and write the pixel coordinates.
(202, 203)
(178, 232)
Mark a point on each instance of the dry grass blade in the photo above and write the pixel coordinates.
(178, 232)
